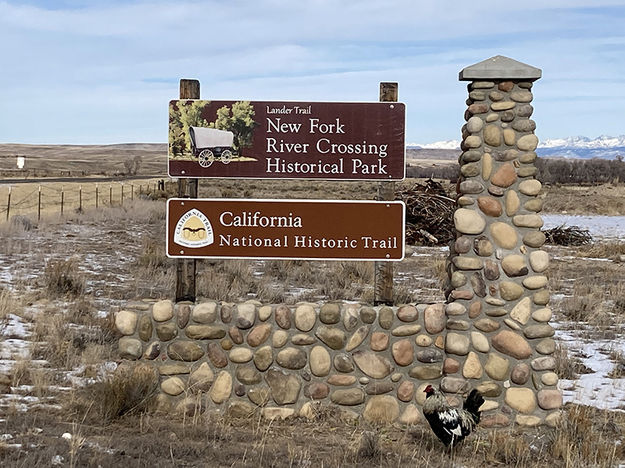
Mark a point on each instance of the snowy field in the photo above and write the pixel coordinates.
(596, 388)
(107, 271)
(600, 227)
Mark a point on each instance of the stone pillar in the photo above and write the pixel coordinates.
(499, 339)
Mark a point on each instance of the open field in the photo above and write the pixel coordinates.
(56, 198)
(57, 339)
(229, 441)
(114, 160)
(61, 278)
(605, 199)
(109, 159)
(81, 160)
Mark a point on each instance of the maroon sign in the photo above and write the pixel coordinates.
(287, 140)
(286, 229)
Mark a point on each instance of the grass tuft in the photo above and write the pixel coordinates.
(130, 390)
(369, 447)
(8, 305)
(63, 278)
(567, 366)
(586, 437)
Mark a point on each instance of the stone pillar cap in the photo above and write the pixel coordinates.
(500, 68)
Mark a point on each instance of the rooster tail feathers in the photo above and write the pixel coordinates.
(472, 404)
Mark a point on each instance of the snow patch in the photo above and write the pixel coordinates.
(600, 227)
(602, 141)
(595, 389)
(446, 144)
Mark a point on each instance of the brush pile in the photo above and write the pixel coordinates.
(429, 214)
(568, 235)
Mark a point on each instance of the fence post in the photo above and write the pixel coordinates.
(122, 197)
(80, 198)
(39, 205)
(96, 195)
(132, 192)
(9, 203)
(62, 199)
(110, 195)
(186, 268)
(383, 282)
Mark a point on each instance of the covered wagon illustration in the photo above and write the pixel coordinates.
(210, 144)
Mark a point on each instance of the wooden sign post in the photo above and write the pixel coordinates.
(383, 271)
(286, 140)
(186, 268)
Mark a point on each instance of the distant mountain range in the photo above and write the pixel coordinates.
(579, 147)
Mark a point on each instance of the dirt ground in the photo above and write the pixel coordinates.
(56, 341)
(604, 199)
(118, 253)
(80, 160)
(153, 440)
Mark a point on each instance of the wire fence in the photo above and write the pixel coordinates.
(62, 198)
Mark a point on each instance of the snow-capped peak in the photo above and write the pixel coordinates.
(581, 142)
(447, 144)
(603, 141)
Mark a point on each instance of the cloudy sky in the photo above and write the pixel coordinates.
(103, 71)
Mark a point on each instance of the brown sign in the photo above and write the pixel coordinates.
(293, 229)
(287, 140)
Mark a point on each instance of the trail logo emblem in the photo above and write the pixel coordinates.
(194, 230)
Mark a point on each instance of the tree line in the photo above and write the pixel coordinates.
(581, 171)
(550, 171)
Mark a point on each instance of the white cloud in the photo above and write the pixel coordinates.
(119, 62)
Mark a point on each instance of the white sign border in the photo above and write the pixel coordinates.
(276, 200)
(287, 177)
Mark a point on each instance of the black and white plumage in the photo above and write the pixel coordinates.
(451, 425)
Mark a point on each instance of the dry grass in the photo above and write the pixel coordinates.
(610, 250)
(63, 278)
(20, 372)
(505, 447)
(129, 390)
(8, 305)
(597, 301)
(52, 338)
(41, 380)
(55, 160)
(603, 199)
(25, 372)
(593, 290)
(277, 281)
(618, 357)
(369, 447)
(70, 198)
(62, 338)
(287, 189)
(589, 437)
(152, 255)
(567, 366)
(586, 437)
(227, 280)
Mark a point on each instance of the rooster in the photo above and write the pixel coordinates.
(451, 425)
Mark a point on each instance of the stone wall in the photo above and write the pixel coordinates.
(493, 333)
(498, 302)
(370, 361)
